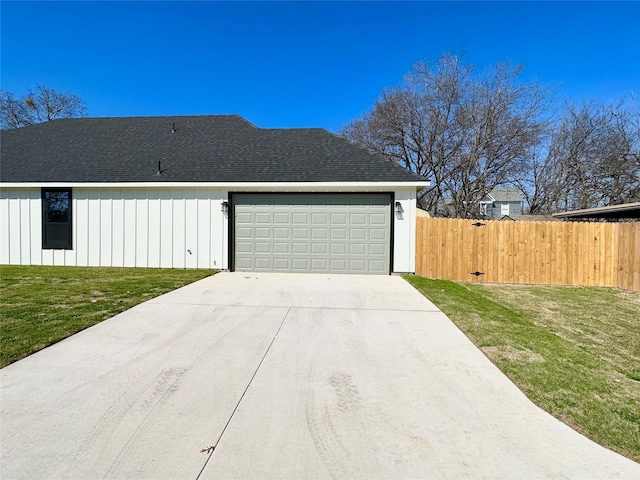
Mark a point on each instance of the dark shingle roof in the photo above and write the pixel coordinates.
(507, 194)
(215, 148)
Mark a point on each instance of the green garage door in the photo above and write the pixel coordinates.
(337, 233)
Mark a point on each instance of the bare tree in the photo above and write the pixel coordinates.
(38, 105)
(593, 159)
(466, 132)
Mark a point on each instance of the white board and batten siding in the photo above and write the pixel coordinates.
(159, 227)
(120, 227)
(20, 227)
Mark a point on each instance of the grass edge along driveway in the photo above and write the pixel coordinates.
(41, 305)
(574, 351)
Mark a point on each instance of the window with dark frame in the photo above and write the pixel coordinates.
(56, 219)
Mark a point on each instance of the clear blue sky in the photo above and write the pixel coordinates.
(302, 64)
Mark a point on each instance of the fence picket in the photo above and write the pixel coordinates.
(549, 253)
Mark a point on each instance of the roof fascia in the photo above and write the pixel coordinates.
(223, 185)
(599, 210)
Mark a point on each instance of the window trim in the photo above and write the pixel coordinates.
(45, 243)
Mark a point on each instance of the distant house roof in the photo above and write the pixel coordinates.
(535, 218)
(213, 148)
(506, 195)
(625, 210)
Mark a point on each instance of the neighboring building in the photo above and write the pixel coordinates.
(202, 192)
(534, 218)
(611, 213)
(500, 202)
(495, 205)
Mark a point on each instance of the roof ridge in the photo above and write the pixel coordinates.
(201, 148)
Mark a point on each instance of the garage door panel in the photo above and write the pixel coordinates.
(379, 201)
(338, 234)
(338, 265)
(319, 219)
(377, 219)
(281, 247)
(338, 219)
(357, 249)
(281, 219)
(343, 233)
(282, 264)
(244, 264)
(262, 233)
(358, 265)
(378, 249)
(338, 248)
(243, 218)
(244, 233)
(300, 233)
(301, 248)
(281, 232)
(244, 247)
(357, 233)
(358, 219)
(319, 248)
(262, 263)
(300, 219)
(377, 266)
(263, 218)
(298, 201)
(300, 264)
(319, 233)
(320, 201)
(262, 247)
(377, 234)
(319, 264)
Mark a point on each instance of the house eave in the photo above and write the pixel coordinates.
(625, 210)
(222, 185)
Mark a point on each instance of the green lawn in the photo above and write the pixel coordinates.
(42, 305)
(573, 351)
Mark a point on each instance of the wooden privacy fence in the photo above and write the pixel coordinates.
(549, 253)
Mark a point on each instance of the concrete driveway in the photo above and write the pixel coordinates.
(287, 376)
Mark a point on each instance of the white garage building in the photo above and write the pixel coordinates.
(202, 192)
